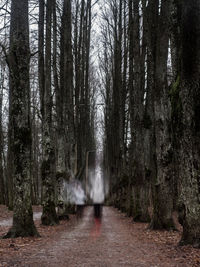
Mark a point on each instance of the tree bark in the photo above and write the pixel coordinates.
(162, 192)
(41, 74)
(49, 216)
(66, 158)
(151, 21)
(117, 83)
(190, 107)
(140, 198)
(19, 57)
(2, 181)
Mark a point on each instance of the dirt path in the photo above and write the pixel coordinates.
(114, 241)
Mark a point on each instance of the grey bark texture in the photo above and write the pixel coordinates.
(162, 190)
(19, 56)
(189, 207)
(137, 170)
(49, 216)
(2, 180)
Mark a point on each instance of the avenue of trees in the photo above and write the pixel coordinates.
(148, 77)
(149, 66)
(49, 122)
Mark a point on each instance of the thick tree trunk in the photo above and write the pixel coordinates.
(19, 57)
(163, 183)
(190, 142)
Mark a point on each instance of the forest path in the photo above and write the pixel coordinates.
(106, 242)
(113, 241)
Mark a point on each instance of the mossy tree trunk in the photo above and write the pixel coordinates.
(19, 57)
(190, 139)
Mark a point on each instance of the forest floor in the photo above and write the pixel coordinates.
(112, 241)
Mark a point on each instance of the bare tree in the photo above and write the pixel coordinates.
(19, 56)
(189, 135)
(49, 216)
(162, 185)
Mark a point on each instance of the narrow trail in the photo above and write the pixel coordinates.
(112, 242)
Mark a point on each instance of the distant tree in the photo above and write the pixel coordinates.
(117, 86)
(49, 216)
(66, 156)
(138, 181)
(65, 105)
(2, 180)
(82, 118)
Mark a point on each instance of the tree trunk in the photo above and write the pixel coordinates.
(66, 160)
(163, 182)
(124, 90)
(117, 83)
(41, 74)
(87, 75)
(10, 167)
(189, 139)
(140, 212)
(2, 182)
(19, 57)
(176, 116)
(150, 167)
(49, 216)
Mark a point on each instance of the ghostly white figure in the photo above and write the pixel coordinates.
(79, 195)
(97, 191)
(73, 193)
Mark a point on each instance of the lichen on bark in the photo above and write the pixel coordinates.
(20, 144)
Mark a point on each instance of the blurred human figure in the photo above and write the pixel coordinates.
(79, 200)
(97, 210)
